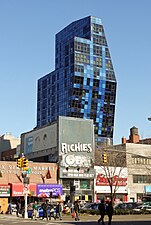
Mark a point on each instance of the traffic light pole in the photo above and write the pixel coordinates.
(26, 213)
(26, 182)
(25, 167)
(22, 163)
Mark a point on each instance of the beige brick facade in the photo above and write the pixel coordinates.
(138, 163)
(10, 172)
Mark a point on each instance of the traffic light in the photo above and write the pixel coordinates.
(104, 158)
(19, 163)
(25, 164)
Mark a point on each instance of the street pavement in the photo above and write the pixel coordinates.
(84, 220)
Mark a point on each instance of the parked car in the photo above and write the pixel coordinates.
(142, 208)
(90, 206)
(125, 205)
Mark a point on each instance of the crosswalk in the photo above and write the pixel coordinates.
(9, 221)
(6, 220)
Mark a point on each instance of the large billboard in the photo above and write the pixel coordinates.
(76, 142)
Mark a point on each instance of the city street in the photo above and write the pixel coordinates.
(85, 220)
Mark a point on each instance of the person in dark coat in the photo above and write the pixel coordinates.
(59, 210)
(17, 209)
(102, 212)
(45, 210)
(76, 210)
(109, 212)
(52, 212)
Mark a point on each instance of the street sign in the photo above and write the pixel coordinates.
(24, 172)
(26, 189)
(27, 171)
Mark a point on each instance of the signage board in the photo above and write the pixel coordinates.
(44, 190)
(74, 173)
(18, 189)
(76, 149)
(27, 171)
(4, 190)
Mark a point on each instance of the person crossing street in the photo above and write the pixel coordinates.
(102, 212)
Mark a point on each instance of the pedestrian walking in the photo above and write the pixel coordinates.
(102, 212)
(35, 210)
(45, 213)
(47, 205)
(109, 212)
(52, 211)
(17, 209)
(76, 210)
(59, 210)
(10, 208)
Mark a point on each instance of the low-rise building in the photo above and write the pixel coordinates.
(138, 163)
(42, 179)
(8, 145)
(70, 143)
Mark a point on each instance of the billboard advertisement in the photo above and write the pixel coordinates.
(44, 190)
(117, 175)
(76, 142)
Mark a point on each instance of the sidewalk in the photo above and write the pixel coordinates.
(86, 217)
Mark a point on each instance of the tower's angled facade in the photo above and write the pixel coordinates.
(83, 83)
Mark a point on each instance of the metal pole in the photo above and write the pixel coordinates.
(26, 213)
(26, 187)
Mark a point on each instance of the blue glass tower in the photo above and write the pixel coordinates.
(83, 83)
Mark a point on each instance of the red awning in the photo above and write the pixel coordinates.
(32, 189)
(18, 189)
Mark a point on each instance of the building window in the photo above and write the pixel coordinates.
(141, 160)
(97, 28)
(141, 179)
(97, 50)
(97, 61)
(82, 47)
(99, 40)
(81, 58)
(79, 68)
(78, 80)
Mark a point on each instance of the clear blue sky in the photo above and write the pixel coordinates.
(27, 41)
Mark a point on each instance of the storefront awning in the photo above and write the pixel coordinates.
(17, 189)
